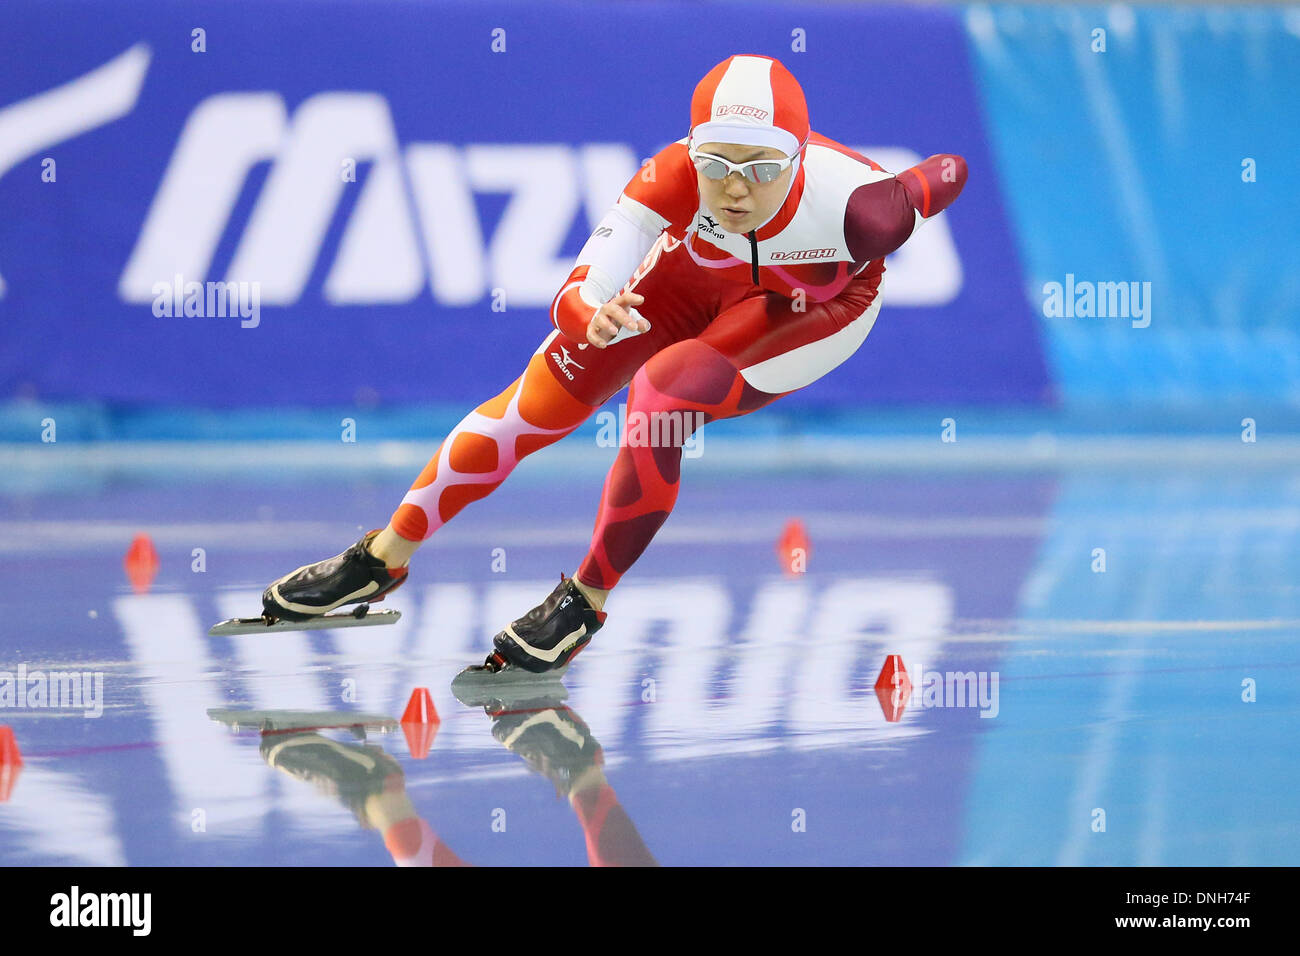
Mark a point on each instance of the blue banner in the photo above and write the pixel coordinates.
(1151, 152)
(377, 201)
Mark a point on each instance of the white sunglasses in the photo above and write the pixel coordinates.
(757, 171)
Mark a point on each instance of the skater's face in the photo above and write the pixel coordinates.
(738, 204)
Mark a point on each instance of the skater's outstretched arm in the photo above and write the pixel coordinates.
(881, 215)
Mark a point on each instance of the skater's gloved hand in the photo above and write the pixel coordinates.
(617, 320)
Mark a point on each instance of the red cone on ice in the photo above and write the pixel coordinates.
(11, 762)
(893, 666)
(420, 723)
(893, 688)
(141, 563)
(420, 709)
(793, 548)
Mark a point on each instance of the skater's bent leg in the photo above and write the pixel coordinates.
(681, 388)
(478, 454)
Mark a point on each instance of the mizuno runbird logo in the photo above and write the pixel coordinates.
(710, 226)
(564, 362)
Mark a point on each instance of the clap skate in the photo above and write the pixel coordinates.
(538, 646)
(303, 599)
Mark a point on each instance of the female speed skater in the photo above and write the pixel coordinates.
(740, 265)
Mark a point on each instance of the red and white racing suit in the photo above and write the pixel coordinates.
(736, 320)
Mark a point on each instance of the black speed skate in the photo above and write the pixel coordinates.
(353, 577)
(549, 636)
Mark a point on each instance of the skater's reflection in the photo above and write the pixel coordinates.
(368, 781)
(553, 740)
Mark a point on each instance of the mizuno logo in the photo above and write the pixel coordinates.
(398, 242)
(564, 361)
(602, 231)
(710, 226)
(412, 227)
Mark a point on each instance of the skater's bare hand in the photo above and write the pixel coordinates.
(613, 316)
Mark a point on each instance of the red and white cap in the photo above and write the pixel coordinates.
(753, 101)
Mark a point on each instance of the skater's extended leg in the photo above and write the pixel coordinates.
(478, 454)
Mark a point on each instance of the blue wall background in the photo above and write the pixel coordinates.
(1123, 165)
(1127, 165)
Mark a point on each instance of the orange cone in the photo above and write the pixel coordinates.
(141, 563)
(420, 723)
(793, 548)
(11, 763)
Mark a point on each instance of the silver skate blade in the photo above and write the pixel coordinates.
(478, 686)
(258, 625)
(285, 721)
